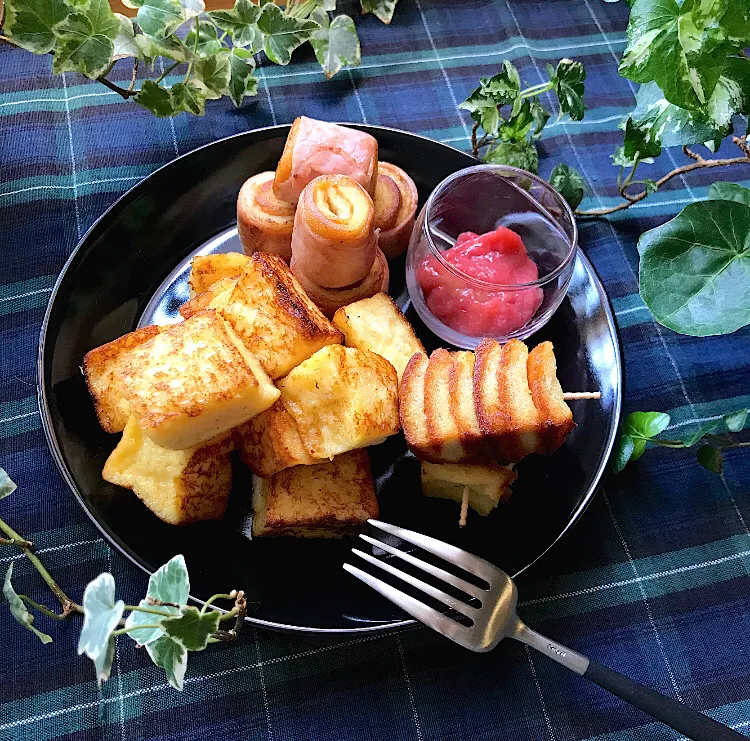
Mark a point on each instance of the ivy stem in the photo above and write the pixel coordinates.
(68, 605)
(18, 542)
(542, 87)
(149, 610)
(147, 626)
(44, 610)
(212, 599)
(166, 72)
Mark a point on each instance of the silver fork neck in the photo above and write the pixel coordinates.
(556, 651)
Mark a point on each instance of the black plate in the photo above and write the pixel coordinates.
(127, 269)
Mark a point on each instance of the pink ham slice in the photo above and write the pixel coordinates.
(316, 148)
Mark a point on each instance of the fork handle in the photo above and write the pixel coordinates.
(682, 718)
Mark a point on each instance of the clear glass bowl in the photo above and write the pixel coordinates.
(462, 309)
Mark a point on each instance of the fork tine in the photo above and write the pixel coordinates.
(446, 599)
(468, 562)
(456, 581)
(432, 618)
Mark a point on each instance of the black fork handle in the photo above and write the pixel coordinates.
(682, 718)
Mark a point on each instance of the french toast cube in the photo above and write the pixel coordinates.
(205, 270)
(214, 297)
(489, 484)
(194, 381)
(377, 324)
(442, 426)
(274, 317)
(326, 500)
(556, 416)
(270, 442)
(341, 399)
(101, 369)
(504, 405)
(411, 409)
(178, 486)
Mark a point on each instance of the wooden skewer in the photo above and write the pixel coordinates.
(574, 395)
(464, 507)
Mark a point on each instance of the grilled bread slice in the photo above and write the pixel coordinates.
(377, 324)
(327, 500)
(442, 425)
(411, 408)
(178, 486)
(461, 401)
(273, 316)
(214, 297)
(101, 369)
(341, 399)
(193, 381)
(556, 417)
(489, 484)
(505, 408)
(205, 270)
(270, 442)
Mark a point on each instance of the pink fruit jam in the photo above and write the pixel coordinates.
(497, 257)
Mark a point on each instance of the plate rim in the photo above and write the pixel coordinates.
(111, 538)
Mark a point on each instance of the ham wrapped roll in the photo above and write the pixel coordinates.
(264, 222)
(329, 300)
(395, 207)
(333, 243)
(316, 148)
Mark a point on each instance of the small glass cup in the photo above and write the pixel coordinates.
(463, 309)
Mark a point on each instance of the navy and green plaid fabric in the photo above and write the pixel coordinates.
(653, 581)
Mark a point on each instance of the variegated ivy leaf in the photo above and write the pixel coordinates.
(729, 192)
(171, 48)
(282, 34)
(569, 183)
(680, 46)
(156, 99)
(241, 24)
(522, 154)
(192, 8)
(7, 485)
(158, 18)
(85, 40)
(101, 615)
(125, 44)
(18, 608)
(335, 43)
(241, 80)
(192, 629)
(170, 656)
(203, 40)
(382, 9)
(212, 75)
(639, 143)
(568, 79)
(29, 23)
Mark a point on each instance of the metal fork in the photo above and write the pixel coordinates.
(496, 618)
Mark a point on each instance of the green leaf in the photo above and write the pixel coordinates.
(171, 657)
(188, 97)
(7, 485)
(731, 95)
(521, 154)
(646, 424)
(170, 48)
(241, 24)
(515, 128)
(650, 185)
(710, 458)
(680, 46)
(212, 75)
(729, 192)
(18, 608)
(569, 183)
(705, 429)
(483, 110)
(101, 615)
(335, 43)
(158, 18)
(203, 40)
(85, 40)
(192, 629)
(505, 86)
(639, 448)
(540, 115)
(282, 34)
(639, 143)
(620, 160)
(383, 9)
(623, 451)
(241, 80)
(156, 99)
(29, 23)
(568, 79)
(735, 421)
(695, 269)
(125, 44)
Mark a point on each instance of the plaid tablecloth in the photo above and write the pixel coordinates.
(653, 581)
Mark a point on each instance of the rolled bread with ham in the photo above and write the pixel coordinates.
(395, 207)
(264, 222)
(315, 148)
(333, 243)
